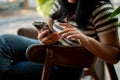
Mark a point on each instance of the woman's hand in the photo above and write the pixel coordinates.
(46, 39)
(107, 48)
(70, 32)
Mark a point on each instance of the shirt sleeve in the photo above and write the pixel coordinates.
(55, 7)
(101, 22)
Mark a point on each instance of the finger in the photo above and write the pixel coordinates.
(45, 39)
(50, 39)
(65, 35)
(38, 30)
(65, 31)
(62, 32)
(75, 36)
(42, 34)
(70, 37)
(65, 25)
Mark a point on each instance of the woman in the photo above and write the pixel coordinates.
(80, 23)
(94, 30)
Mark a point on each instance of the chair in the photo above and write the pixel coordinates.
(111, 71)
(65, 56)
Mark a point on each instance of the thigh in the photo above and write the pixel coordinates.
(25, 70)
(16, 45)
(28, 70)
(12, 48)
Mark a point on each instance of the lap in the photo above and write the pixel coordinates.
(28, 70)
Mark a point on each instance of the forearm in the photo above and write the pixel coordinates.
(105, 52)
(50, 21)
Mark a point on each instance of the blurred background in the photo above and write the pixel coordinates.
(17, 13)
(21, 13)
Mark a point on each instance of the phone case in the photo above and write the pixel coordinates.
(42, 26)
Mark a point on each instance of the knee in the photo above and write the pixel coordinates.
(4, 37)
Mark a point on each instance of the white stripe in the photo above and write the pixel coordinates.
(100, 8)
(101, 15)
(108, 31)
(72, 23)
(107, 26)
(56, 29)
(54, 8)
(91, 27)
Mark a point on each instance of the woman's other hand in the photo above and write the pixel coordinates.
(70, 32)
(46, 39)
(107, 48)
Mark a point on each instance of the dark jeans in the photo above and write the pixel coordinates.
(13, 60)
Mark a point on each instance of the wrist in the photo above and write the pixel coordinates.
(41, 43)
(83, 40)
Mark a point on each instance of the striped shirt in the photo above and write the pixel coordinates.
(98, 24)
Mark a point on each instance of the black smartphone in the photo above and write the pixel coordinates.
(42, 26)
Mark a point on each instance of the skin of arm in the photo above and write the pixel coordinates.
(50, 21)
(107, 48)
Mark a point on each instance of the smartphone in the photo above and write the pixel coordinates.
(42, 26)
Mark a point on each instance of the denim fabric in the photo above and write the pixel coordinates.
(12, 59)
(12, 48)
(27, 70)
